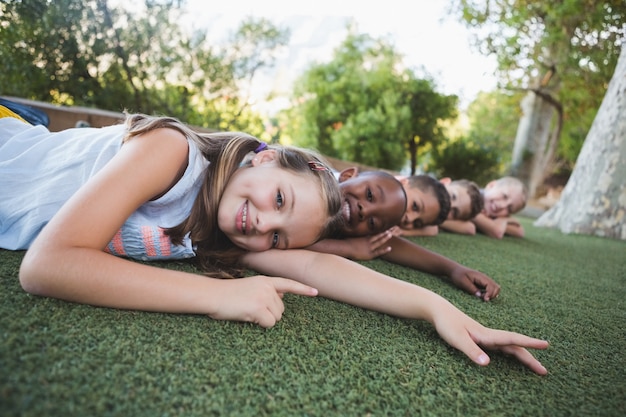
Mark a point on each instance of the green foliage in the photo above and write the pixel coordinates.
(88, 53)
(427, 110)
(40, 51)
(493, 119)
(577, 41)
(360, 139)
(467, 158)
(361, 106)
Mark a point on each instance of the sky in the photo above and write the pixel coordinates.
(420, 30)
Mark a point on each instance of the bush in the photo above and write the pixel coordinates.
(463, 159)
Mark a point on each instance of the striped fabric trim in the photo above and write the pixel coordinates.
(116, 245)
(156, 242)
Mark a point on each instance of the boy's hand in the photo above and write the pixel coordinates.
(369, 247)
(514, 227)
(475, 283)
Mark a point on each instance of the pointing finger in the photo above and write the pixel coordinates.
(283, 285)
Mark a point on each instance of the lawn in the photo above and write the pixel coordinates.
(325, 358)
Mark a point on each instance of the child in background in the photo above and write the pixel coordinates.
(162, 161)
(374, 201)
(428, 202)
(379, 197)
(466, 201)
(502, 198)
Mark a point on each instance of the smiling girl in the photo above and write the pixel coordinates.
(154, 189)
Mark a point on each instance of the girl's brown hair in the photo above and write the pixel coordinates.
(226, 152)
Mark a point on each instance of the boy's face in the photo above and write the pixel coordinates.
(460, 202)
(422, 208)
(372, 203)
(502, 200)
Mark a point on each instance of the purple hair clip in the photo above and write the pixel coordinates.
(317, 166)
(262, 146)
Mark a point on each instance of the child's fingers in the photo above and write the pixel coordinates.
(268, 318)
(526, 358)
(467, 285)
(469, 347)
(501, 338)
(380, 239)
(472, 342)
(490, 292)
(284, 285)
(515, 344)
(382, 251)
(395, 231)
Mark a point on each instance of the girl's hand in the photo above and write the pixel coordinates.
(256, 299)
(467, 335)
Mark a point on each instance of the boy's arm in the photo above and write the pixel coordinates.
(495, 228)
(498, 227)
(423, 231)
(459, 226)
(514, 228)
(406, 253)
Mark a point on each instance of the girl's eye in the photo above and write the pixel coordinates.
(368, 194)
(279, 199)
(415, 207)
(371, 223)
(275, 240)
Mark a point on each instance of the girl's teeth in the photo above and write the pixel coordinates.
(244, 218)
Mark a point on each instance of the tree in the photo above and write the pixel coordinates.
(562, 54)
(493, 118)
(466, 158)
(363, 106)
(427, 110)
(89, 53)
(594, 199)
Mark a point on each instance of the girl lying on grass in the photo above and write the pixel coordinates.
(83, 200)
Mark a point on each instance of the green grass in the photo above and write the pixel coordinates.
(326, 358)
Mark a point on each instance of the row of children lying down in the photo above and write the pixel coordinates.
(85, 202)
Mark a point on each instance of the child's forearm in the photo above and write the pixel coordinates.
(333, 246)
(513, 228)
(346, 281)
(349, 282)
(93, 277)
(460, 227)
(495, 228)
(423, 231)
(406, 253)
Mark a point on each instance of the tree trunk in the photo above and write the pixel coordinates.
(594, 199)
(536, 139)
(413, 154)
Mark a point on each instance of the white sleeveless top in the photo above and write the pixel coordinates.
(40, 170)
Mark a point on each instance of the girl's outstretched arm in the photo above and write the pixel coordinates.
(343, 280)
(67, 260)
